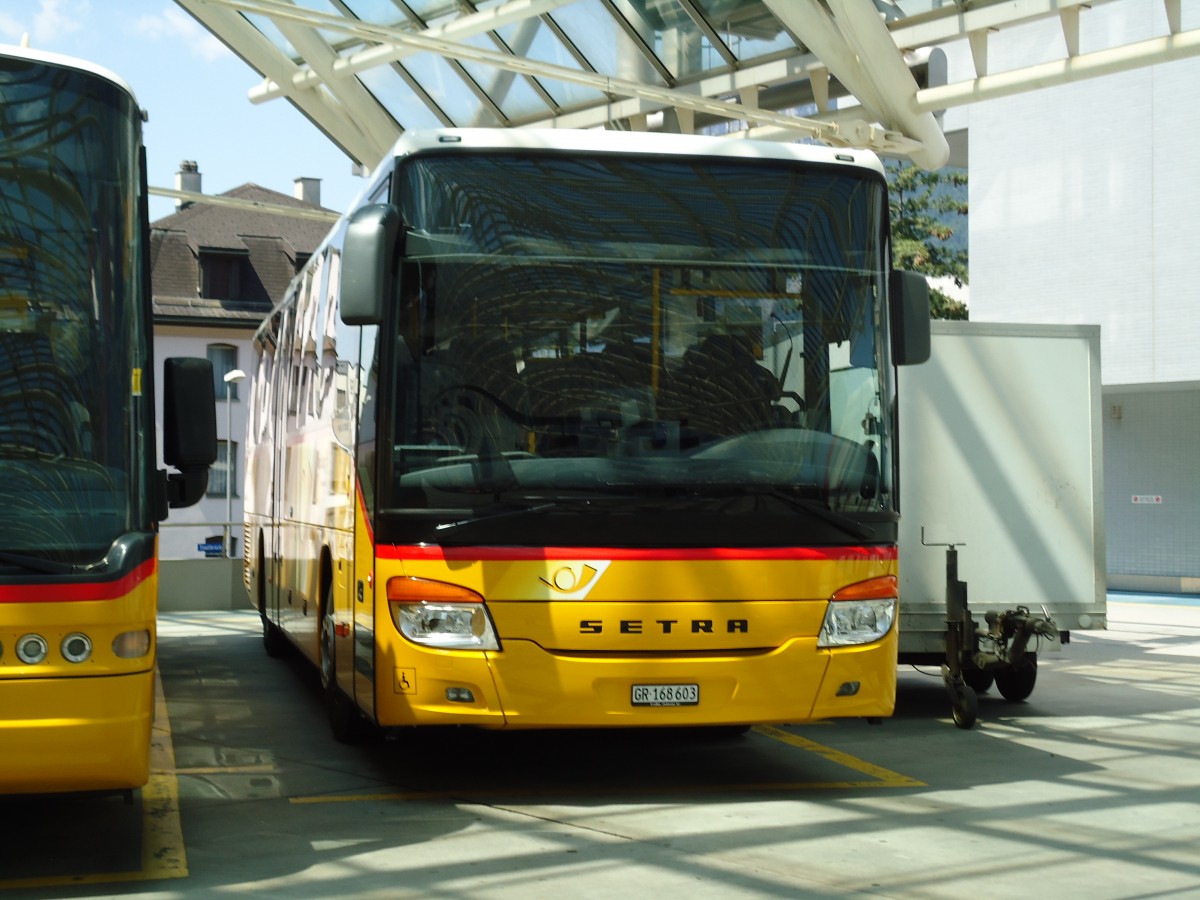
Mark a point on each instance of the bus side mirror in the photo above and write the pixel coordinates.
(368, 263)
(189, 427)
(910, 318)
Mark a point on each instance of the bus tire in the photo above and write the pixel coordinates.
(979, 680)
(274, 643)
(346, 721)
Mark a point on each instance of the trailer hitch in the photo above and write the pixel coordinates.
(1006, 639)
(960, 629)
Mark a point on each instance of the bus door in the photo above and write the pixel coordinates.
(363, 585)
(274, 543)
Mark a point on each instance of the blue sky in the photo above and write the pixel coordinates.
(194, 91)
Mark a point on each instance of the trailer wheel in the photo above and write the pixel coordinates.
(979, 680)
(1016, 683)
(964, 706)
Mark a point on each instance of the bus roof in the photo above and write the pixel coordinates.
(634, 142)
(67, 62)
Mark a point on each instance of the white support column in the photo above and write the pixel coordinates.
(1070, 26)
(1174, 15)
(818, 80)
(979, 51)
(679, 120)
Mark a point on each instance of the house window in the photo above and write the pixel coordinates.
(225, 467)
(221, 276)
(231, 277)
(224, 360)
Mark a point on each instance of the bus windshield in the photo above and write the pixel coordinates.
(71, 315)
(692, 332)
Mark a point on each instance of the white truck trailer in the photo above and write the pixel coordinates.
(1002, 550)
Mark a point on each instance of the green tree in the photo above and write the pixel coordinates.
(929, 224)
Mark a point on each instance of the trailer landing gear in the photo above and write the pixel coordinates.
(975, 658)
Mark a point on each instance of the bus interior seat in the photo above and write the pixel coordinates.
(722, 389)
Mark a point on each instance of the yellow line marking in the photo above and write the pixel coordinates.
(251, 769)
(163, 853)
(885, 777)
(879, 778)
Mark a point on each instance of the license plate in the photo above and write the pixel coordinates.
(666, 694)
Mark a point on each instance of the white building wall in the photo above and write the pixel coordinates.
(1085, 208)
(185, 529)
(1151, 492)
(1085, 198)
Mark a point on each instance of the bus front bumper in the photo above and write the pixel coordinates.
(75, 734)
(526, 686)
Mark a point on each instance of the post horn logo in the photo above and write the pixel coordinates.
(574, 580)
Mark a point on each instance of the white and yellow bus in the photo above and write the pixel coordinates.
(79, 489)
(584, 429)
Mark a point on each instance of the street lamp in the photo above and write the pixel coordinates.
(231, 378)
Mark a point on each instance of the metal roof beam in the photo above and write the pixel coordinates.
(951, 23)
(853, 33)
(263, 56)
(387, 52)
(810, 22)
(1064, 71)
(348, 91)
(776, 72)
(858, 134)
(866, 32)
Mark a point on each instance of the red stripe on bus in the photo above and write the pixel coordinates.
(74, 592)
(514, 554)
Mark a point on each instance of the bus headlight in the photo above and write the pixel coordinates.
(32, 649)
(860, 613)
(437, 614)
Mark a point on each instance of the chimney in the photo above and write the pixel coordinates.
(308, 190)
(187, 179)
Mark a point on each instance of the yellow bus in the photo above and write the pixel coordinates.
(585, 429)
(79, 487)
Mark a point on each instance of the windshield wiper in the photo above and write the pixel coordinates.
(850, 526)
(843, 523)
(578, 502)
(491, 517)
(37, 564)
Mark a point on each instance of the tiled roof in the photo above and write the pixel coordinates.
(272, 243)
(212, 312)
(222, 228)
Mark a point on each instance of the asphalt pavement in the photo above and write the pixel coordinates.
(1090, 789)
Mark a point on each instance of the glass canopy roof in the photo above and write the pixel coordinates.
(867, 73)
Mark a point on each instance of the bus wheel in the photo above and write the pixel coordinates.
(1016, 683)
(274, 643)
